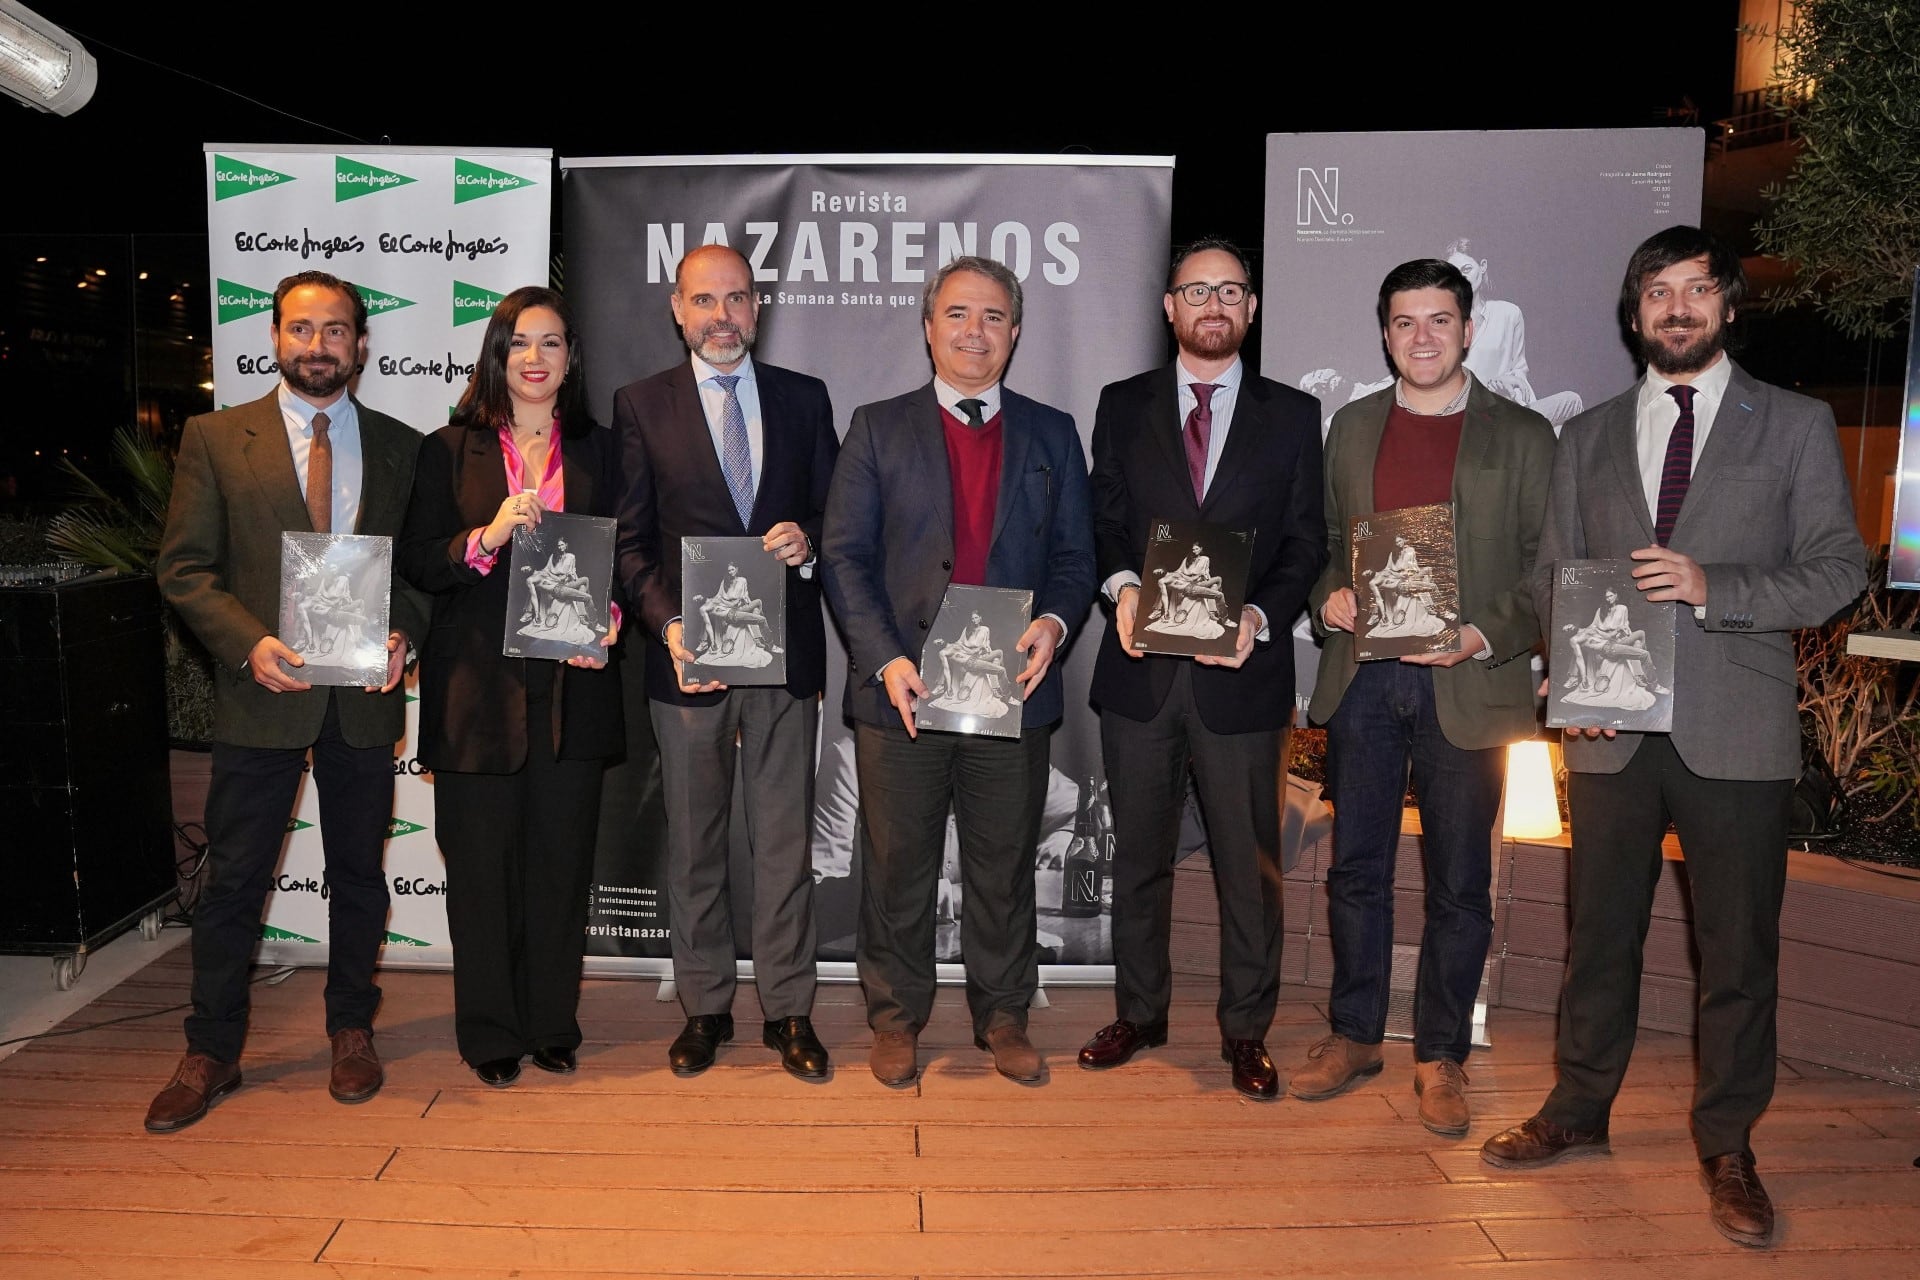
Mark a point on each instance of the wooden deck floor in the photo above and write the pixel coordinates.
(1154, 1169)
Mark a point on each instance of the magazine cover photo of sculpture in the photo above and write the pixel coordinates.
(334, 593)
(733, 608)
(970, 663)
(557, 595)
(1405, 582)
(1610, 651)
(1192, 588)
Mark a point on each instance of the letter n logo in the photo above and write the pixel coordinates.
(1317, 195)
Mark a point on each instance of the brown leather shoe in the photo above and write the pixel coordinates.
(1442, 1088)
(356, 1067)
(1254, 1074)
(1118, 1041)
(1013, 1054)
(1539, 1141)
(894, 1057)
(1739, 1204)
(198, 1082)
(1334, 1065)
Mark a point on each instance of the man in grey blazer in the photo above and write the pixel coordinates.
(1730, 496)
(1436, 435)
(309, 458)
(961, 481)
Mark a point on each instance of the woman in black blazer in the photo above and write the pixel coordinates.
(517, 745)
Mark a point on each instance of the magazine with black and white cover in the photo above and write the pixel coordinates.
(1192, 589)
(335, 589)
(1406, 582)
(560, 580)
(1609, 651)
(733, 611)
(970, 663)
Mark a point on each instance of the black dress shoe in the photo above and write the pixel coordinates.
(1253, 1071)
(1118, 1041)
(800, 1050)
(693, 1050)
(557, 1060)
(498, 1072)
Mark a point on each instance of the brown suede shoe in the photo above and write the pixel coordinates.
(894, 1057)
(356, 1067)
(1334, 1065)
(1539, 1141)
(198, 1082)
(1739, 1204)
(1442, 1089)
(1013, 1054)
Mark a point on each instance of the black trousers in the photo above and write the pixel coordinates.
(997, 788)
(248, 803)
(1734, 836)
(1239, 778)
(519, 851)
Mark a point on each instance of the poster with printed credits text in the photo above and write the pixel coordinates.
(431, 238)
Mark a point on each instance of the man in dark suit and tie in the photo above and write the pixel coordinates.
(1202, 439)
(1436, 435)
(1730, 496)
(725, 446)
(307, 457)
(961, 481)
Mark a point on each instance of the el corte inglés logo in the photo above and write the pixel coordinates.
(472, 181)
(270, 934)
(401, 827)
(237, 178)
(235, 300)
(378, 303)
(402, 940)
(471, 302)
(353, 179)
(295, 824)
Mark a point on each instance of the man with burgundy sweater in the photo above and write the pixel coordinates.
(1202, 439)
(960, 481)
(1436, 435)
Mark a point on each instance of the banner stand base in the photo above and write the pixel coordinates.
(667, 991)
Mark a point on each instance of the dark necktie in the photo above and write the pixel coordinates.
(974, 409)
(1678, 469)
(1198, 435)
(736, 453)
(320, 476)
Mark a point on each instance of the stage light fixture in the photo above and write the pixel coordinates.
(41, 65)
(1533, 807)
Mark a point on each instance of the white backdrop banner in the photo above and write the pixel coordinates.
(432, 239)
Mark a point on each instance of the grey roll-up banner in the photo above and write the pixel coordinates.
(841, 248)
(1541, 221)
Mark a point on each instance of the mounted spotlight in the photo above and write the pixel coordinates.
(41, 65)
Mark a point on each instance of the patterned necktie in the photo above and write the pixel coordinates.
(974, 409)
(1678, 468)
(320, 476)
(736, 455)
(1198, 435)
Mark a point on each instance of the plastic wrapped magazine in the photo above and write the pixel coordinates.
(561, 573)
(335, 589)
(1192, 589)
(969, 662)
(1609, 651)
(1406, 582)
(733, 611)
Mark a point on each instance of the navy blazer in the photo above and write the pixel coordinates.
(673, 488)
(888, 550)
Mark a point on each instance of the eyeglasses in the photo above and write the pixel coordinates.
(1232, 293)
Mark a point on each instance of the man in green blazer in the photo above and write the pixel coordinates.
(307, 458)
(1437, 435)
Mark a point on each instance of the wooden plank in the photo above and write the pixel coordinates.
(71, 1233)
(1693, 1233)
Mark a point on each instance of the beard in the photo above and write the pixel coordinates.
(1213, 344)
(317, 376)
(704, 344)
(1691, 357)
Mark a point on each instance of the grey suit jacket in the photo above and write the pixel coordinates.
(1769, 518)
(1499, 496)
(234, 491)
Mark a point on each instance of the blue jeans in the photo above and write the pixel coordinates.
(1385, 725)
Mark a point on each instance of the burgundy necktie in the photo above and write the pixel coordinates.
(1678, 469)
(320, 476)
(1198, 434)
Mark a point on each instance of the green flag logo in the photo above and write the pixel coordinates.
(401, 827)
(471, 302)
(270, 934)
(378, 304)
(235, 300)
(236, 177)
(472, 181)
(352, 179)
(294, 824)
(402, 940)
